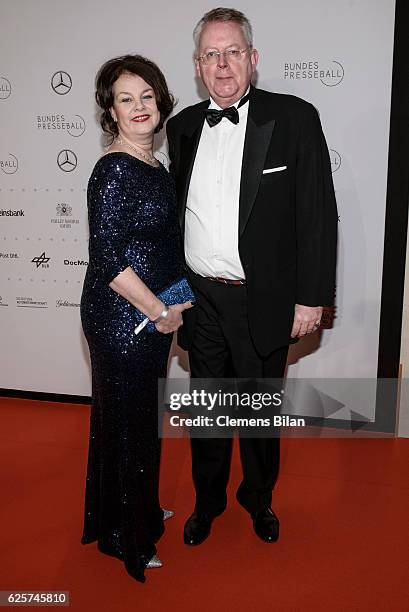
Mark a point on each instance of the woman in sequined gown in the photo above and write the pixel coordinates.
(134, 252)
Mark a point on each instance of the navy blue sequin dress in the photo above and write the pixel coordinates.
(133, 222)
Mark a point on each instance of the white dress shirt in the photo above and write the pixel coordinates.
(212, 207)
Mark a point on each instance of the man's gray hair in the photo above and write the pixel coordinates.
(224, 14)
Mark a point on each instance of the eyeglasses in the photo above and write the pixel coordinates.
(230, 55)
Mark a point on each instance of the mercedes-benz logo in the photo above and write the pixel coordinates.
(67, 160)
(61, 82)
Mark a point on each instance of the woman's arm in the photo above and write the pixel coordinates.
(132, 288)
(108, 215)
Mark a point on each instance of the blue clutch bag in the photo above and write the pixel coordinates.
(177, 293)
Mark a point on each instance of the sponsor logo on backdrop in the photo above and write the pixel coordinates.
(42, 260)
(335, 160)
(5, 88)
(77, 127)
(73, 124)
(61, 82)
(329, 73)
(64, 210)
(64, 219)
(29, 302)
(2, 301)
(75, 262)
(9, 256)
(67, 160)
(9, 164)
(11, 213)
(163, 158)
(66, 304)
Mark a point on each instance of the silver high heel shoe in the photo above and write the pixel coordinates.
(167, 514)
(154, 562)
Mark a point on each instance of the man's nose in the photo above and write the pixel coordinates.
(222, 62)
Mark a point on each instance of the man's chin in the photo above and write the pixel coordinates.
(226, 93)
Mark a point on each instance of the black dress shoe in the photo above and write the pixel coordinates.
(197, 529)
(266, 525)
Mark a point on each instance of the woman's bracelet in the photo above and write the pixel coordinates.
(162, 315)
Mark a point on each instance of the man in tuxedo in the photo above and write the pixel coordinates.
(258, 215)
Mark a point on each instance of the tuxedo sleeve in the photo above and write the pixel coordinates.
(316, 216)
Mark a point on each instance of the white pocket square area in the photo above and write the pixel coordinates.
(278, 169)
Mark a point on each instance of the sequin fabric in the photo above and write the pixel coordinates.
(132, 222)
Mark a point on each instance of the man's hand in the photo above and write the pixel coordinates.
(307, 319)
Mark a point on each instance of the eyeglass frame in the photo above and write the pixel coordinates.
(203, 59)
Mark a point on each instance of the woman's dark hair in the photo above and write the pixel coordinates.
(130, 64)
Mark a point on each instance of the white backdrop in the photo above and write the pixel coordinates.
(337, 55)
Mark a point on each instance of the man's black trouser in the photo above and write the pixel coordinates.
(221, 347)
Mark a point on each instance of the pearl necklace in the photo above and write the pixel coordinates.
(124, 143)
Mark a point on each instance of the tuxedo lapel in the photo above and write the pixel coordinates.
(188, 146)
(260, 126)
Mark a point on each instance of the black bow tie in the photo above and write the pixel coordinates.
(214, 116)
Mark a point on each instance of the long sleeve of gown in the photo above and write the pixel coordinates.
(108, 214)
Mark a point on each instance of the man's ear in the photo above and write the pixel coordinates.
(254, 59)
(197, 66)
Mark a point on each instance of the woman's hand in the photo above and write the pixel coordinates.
(173, 320)
(132, 288)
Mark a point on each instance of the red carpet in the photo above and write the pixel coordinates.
(343, 505)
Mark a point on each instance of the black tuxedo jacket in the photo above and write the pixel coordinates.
(287, 218)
